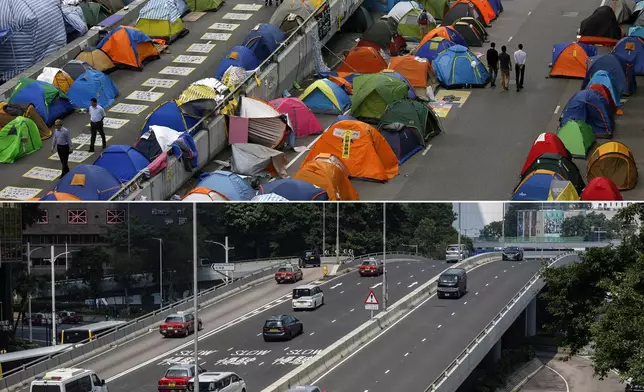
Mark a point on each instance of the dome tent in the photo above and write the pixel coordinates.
(18, 138)
(373, 92)
(89, 183)
(122, 161)
(431, 48)
(93, 84)
(571, 59)
(98, 59)
(601, 189)
(458, 67)
(615, 161)
(56, 77)
(162, 19)
(577, 136)
(545, 143)
(329, 173)
(50, 103)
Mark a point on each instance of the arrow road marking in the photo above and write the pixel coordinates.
(337, 285)
(412, 285)
(376, 285)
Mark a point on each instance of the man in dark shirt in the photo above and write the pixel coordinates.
(505, 64)
(493, 63)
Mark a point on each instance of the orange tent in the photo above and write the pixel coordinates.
(58, 196)
(128, 46)
(362, 59)
(441, 31)
(342, 82)
(329, 173)
(485, 9)
(204, 194)
(362, 149)
(571, 62)
(416, 70)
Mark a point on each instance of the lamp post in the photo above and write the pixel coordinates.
(196, 293)
(226, 248)
(52, 260)
(460, 221)
(160, 271)
(337, 235)
(29, 252)
(384, 257)
(323, 228)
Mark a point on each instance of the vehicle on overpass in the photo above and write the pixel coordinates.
(305, 388)
(512, 253)
(288, 273)
(452, 283)
(15, 360)
(67, 317)
(220, 382)
(632, 387)
(69, 380)
(177, 377)
(456, 253)
(371, 267)
(40, 319)
(308, 296)
(179, 324)
(280, 327)
(88, 332)
(310, 258)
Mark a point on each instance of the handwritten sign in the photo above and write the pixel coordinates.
(216, 36)
(160, 83)
(177, 71)
(247, 7)
(185, 357)
(84, 139)
(237, 16)
(43, 173)
(224, 26)
(128, 108)
(76, 156)
(200, 48)
(18, 193)
(113, 123)
(147, 96)
(187, 59)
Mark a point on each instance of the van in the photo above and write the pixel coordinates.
(454, 255)
(452, 283)
(308, 296)
(310, 258)
(68, 380)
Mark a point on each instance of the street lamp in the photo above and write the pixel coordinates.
(52, 260)
(160, 271)
(196, 293)
(226, 248)
(29, 252)
(384, 257)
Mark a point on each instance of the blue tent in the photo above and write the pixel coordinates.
(228, 184)
(92, 84)
(405, 143)
(603, 78)
(430, 49)
(342, 117)
(294, 190)
(412, 92)
(622, 82)
(454, 69)
(239, 56)
(263, 39)
(49, 102)
(557, 49)
(637, 31)
(591, 107)
(630, 50)
(122, 161)
(324, 96)
(169, 115)
(536, 187)
(89, 183)
(496, 6)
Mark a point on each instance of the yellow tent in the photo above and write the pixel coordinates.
(562, 191)
(615, 161)
(57, 77)
(161, 19)
(97, 59)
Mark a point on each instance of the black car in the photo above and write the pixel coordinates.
(512, 253)
(282, 327)
(452, 283)
(310, 258)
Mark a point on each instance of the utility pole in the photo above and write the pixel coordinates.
(160, 271)
(195, 294)
(337, 235)
(53, 297)
(503, 226)
(384, 257)
(31, 331)
(543, 234)
(323, 228)
(460, 254)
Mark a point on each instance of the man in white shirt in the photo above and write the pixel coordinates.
(96, 116)
(519, 66)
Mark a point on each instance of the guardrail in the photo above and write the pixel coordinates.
(450, 379)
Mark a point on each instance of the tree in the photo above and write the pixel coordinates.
(574, 226)
(25, 284)
(87, 265)
(493, 230)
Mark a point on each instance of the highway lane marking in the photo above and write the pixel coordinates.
(529, 13)
(387, 371)
(423, 339)
(411, 277)
(336, 285)
(376, 285)
(562, 377)
(406, 354)
(465, 303)
(487, 284)
(351, 310)
(453, 313)
(259, 334)
(287, 348)
(333, 321)
(439, 326)
(422, 270)
(505, 270)
(260, 364)
(342, 292)
(230, 349)
(426, 149)
(557, 109)
(412, 285)
(496, 277)
(312, 333)
(510, 39)
(399, 282)
(359, 283)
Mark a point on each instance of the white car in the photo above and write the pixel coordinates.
(68, 380)
(308, 296)
(219, 382)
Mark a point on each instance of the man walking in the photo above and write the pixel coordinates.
(62, 143)
(423, 23)
(96, 116)
(519, 63)
(493, 63)
(505, 64)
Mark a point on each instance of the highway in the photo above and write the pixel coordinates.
(412, 353)
(235, 342)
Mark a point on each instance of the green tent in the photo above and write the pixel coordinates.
(408, 25)
(411, 114)
(94, 13)
(19, 138)
(560, 165)
(372, 93)
(577, 136)
(437, 8)
(204, 5)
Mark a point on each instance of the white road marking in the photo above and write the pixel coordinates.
(426, 149)
(423, 339)
(556, 372)
(411, 276)
(439, 326)
(422, 270)
(510, 39)
(406, 354)
(465, 303)
(505, 270)
(230, 349)
(260, 364)
(387, 371)
(399, 282)
(342, 292)
(376, 285)
(359, 283)
(496, 277)
(453, 313)
(286, 348)
(487, 284)
(312, 333)
(333, 321)
(412, 285)
(397, 266)
(259, 334)
(557, 109)
(529, 13)
(351, 310)
(336, 285)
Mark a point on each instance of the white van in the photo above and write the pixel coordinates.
(308, 296)
(69, 380)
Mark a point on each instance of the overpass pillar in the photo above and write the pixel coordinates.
(493, 356)
(531, 318)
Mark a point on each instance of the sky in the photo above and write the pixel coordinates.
(476, 215)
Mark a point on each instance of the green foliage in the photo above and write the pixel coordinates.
(511, 360)
(587, 226)
(493, 230)
(24, 285)
(87, 265)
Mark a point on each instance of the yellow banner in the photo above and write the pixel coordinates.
(346, 144)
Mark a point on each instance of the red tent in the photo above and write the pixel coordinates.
(545, 143)
(302, 120)
(605, 92)
(601, 189)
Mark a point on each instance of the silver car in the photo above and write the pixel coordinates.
(456, 253)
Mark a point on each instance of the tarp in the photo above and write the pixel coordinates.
(329, 173)
(562, 191)
(631, 50)
(266, 126)
(446, 32)
(324, 96)
(58, 196)
(122, 161)
(601, 27)
(263, 40)
(56, 77)
(89, 183)
(98, 59)
(94, 12)
(18, 138)
(535, 186)
(128, 46)
(170, 115)
(591, 107)
(257, 161)
(437, 8)
(50, 103)
(462, 9)
(545, 143)
(302, 119)
(9, 112)
(162, 18)
(577, 136)
(622, 10)
(571, 59)
(623, 83)
(239, 56)
(232, 186)
(75, 24)
(156, 140)
(373, 92)
(204, 5)
(601, 189)
(362, 59)
(458, 67)
(615, 161)
(75, 68)
(603, 78)
(431, 48)
(294, 190)
(560, 165)
(470, 33)
(362, 149)
(93, 84)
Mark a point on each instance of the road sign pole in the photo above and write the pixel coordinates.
(372, 314)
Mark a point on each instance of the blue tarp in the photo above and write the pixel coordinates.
(453, 68)
(412, 93)
(318, 102)
(497, 6)
(74, 19)
(591, 107)
(92, 84)
(228, 184)
(263, 39)
(294, 190)
(239, 56)
(122, 161)
(637, 31)
(187, 140)
(404, 143)
(34, 94)
(94, 183)
(559, 48)
(169, 115)
(536, 187)
(610, 63)
(603, 78)
(430, 49)
(631, 50)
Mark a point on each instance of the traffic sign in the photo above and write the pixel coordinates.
(371, 303)
(223, 266)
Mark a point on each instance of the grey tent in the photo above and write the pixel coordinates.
(75, 68)
(379, 33)
(359, 22)
(250, 159)
(112, 5)
(290, 14)
(622, 10)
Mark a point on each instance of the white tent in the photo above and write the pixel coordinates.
(623, 10)
(400, 9)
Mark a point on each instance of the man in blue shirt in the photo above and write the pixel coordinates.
(96, 116)
(62, 143)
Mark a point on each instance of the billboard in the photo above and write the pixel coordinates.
(552, 223)
(527, 223)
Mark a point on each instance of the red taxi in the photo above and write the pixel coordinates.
(371, 267)
(179, 324)
(288, 273)
(176, 378)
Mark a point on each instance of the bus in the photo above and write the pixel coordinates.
(88, 332)
(15, 360)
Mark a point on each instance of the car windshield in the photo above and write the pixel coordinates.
(285, 269)
(273, 323)
(452, 249)
(174, 319)
(308, 254)
(177, 373)
(369, 262)
(298, 293)
(511, 249)
(448, 278)
(45, 388)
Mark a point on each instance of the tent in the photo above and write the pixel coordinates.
(93, 84)
(462, 9)
(122, 161)
(447, 32)
(601, 189)
(228, 184)
(162, 19)
(631, 50)
(408, 25)
(559, 164)
(89, 183)
(113, 5)
(74, 20)
(476, 25)
(156, 140)
(302, 120)
(9, 112)
(128, 46)
(362, 59)
(255, 160)
(497, 6)
(329, 173)
(362, 149)
(59, 196)
(398, 11)
(266, 126)
(458, 67)
(577, 136)
(436, 8)
(202, 97)
(622, 74)
(290, 14)
(76, 68)
(485, 10)
(94, 12)
(637, 31)
(169, 114)
(239, 56)
(615, 161)
(591, 107)
(545, 143)
(324, 96)
(204, 5)
(562, 191)
(373, 92)
(50, 103)
(608, 97)
(431, 48)
(294, 190)
(535, 186)
(416, 70)
(98, 59)
(600, 28)
(203, 194)
(18, 138)
(411, 92)
(381, 33)
(56, 77)
(470, 33)
(263, 40)
(622, 10)
(603, 78)
(570, 59)
(358, 22)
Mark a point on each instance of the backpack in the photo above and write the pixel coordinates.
(422, 18)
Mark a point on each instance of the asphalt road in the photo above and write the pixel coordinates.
(239, 347)
(412, 354)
